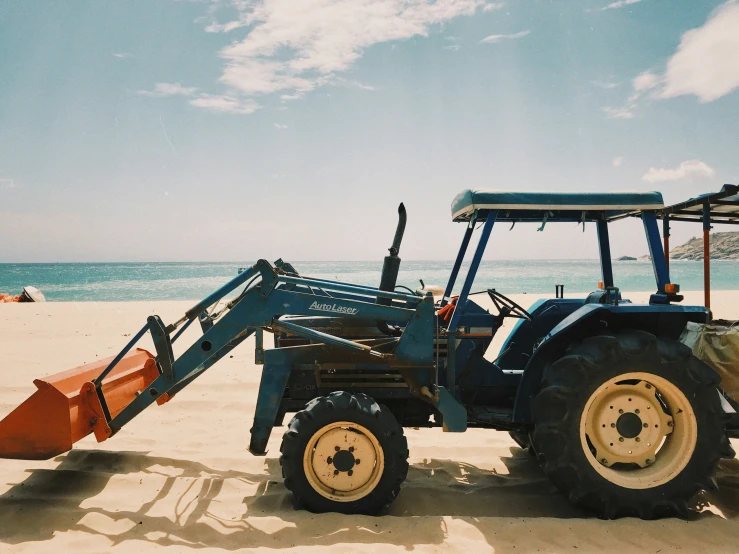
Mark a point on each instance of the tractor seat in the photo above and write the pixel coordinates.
(473, 316)
(600, 297)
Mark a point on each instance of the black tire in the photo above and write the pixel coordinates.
(356, 408)
(570, 381)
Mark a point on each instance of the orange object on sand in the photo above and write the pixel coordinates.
(29, 294)
(65, 408)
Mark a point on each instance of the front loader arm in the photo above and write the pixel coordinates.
(104, 396)
(259, 306)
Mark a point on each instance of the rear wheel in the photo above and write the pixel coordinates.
(344, 453)
(630, 424)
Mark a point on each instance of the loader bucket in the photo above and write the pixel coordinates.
(65, 408)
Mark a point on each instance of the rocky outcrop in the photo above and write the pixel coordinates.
(723, 246)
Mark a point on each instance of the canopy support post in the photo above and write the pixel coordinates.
(604, 246)
(458, 262)
(666, 238)
(451, 365)
(706, 255)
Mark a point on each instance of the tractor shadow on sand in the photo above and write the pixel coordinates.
(188, 508)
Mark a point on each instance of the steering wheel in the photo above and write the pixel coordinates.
(507, 307)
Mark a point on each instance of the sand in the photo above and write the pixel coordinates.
(180, 477)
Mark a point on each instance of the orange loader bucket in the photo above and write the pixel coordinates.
(65, 408)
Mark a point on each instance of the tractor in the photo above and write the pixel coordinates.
(620, 415)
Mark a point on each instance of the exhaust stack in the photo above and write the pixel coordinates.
(390, 269)
(391, 265)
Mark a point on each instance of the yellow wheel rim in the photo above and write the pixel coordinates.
(343, 461)
(638, 430)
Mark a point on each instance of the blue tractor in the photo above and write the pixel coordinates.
(618, 412)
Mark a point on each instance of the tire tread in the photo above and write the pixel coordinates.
(569, 381)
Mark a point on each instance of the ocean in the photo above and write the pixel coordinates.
(82, 282)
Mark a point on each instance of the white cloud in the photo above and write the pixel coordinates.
(641, 84)
(215, 102)
(121, 55)
(493, 6)
(645, 81)
(280, 126)
(691, 169)
(493, 39)
(263, 76)
(169, 89)
(617, 161)
(706, 63)
(224, 28)
(292, 48)
(619, 4)
(225, 104)
(624, 112)
(7, 184)
(295, 47)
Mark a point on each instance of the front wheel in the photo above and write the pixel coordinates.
(630, 424)
(344, 453)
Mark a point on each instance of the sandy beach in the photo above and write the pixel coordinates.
(180, 477)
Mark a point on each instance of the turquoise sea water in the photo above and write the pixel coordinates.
(187, 281)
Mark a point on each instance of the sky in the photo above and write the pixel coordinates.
(164, 130)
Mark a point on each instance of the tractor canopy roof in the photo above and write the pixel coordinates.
(552, 206)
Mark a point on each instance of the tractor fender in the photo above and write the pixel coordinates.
(666, 320)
